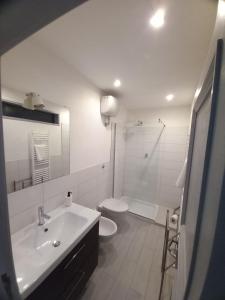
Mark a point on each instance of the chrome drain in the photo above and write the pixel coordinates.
(56, 244)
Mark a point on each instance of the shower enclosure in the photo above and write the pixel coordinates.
(153, 158)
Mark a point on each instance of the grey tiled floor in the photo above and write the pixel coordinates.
(129, 264)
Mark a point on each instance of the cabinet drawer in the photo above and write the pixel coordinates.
(79, 254)
(70, 269)
(76, 286)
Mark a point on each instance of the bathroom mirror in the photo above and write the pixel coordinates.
(36, 143)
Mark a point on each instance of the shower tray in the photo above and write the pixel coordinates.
(142, 208)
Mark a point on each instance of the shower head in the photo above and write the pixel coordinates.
(160, 121)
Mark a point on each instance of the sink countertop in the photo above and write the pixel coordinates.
(35, 257)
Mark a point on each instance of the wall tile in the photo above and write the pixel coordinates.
(153, 178)
(57, 186)
(24, 199)
(54, 202)
(24, 169)
(86, 186)
(12, 174)
(23, 219)
(89, 188)
(86, 174)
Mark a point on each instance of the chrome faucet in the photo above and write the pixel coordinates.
(42, 216)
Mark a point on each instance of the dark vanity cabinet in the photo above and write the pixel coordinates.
(68, 279)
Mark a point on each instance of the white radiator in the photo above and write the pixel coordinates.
(40, 156)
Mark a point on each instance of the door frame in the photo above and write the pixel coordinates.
(215, 145)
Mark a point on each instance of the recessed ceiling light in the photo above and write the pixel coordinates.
(117, 83)
(221, 9)
(169, 97)
(157, 20)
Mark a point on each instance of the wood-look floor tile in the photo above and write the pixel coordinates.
(102, 287)
(129, 264)
(140, 279)
(119, 291)
(167, 287)
(153, 286)
(137, 244)
(133, 295)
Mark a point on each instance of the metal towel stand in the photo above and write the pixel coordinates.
(170, 246)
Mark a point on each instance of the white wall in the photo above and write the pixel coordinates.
(29, 67)
(171, 116)
(152, 178)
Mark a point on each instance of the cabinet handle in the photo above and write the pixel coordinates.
(75, 286)
(74, 256)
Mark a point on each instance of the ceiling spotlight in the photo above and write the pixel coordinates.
(157, 20)
(117, 83)
(169, 97)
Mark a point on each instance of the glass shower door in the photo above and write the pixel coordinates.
(142, 169)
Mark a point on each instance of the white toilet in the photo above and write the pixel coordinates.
(114, 205)
(107, 228)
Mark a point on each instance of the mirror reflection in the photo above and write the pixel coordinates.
(36, 138)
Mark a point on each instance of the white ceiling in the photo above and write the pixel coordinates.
(108, 39)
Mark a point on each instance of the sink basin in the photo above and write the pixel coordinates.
(43, 239)
(37, 250)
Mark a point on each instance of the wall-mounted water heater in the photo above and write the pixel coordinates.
(109, 108)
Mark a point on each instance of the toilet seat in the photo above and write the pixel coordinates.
(115, 205)
(107, 228)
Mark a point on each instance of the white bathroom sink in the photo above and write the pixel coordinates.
(42, 240)
(37, 250)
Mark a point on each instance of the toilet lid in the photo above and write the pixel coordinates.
(115, 205)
